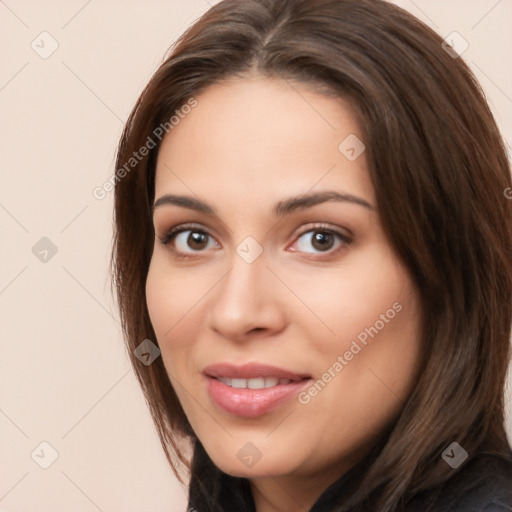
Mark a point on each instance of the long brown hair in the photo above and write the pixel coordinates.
(439, 169)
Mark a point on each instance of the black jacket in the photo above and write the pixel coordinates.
(481, 484)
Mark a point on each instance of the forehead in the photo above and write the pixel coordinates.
(255, 137)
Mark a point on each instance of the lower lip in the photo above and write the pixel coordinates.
(251, 403)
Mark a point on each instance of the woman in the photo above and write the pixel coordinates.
(311, 228)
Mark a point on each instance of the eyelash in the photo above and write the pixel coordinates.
(170, 235)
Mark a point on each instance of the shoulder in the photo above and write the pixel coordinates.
(483, 484)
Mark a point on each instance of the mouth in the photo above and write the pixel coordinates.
(253, 389)
(255, 383)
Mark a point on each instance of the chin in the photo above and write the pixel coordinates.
(259, 470)
(265, 466)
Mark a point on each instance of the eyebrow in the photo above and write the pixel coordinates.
(185, 202)
(282, 208)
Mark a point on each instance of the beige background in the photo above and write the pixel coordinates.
(65, 378)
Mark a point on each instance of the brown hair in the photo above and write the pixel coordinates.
(439, 169)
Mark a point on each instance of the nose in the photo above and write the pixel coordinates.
(248, 302)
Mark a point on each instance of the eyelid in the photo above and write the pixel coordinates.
(179, 228)
(346, 239)
(311, 226)
(321, 226)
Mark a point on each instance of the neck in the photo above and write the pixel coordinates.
(295, 493)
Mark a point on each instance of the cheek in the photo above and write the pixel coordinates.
(162, 299)
(373, 359)
(387, 344)
(170, 293)
(364, 293)
(176, 299)
(372, 311)
(170, 296)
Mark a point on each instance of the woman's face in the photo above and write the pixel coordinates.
(289, 328)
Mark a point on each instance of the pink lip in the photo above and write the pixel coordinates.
(251, 403)
(251, 371)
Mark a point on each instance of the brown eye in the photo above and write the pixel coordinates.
(322, 240)
(189, 240)
(197, 240)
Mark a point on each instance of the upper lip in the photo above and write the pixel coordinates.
(250, 371)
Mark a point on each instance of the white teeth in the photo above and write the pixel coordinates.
(238, 383)
(270, 382)
(256, 383)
